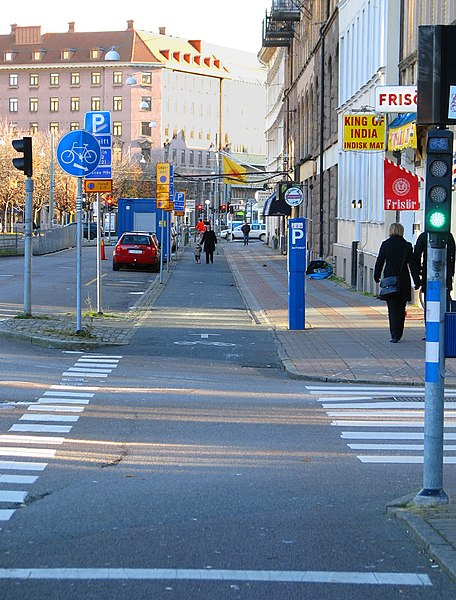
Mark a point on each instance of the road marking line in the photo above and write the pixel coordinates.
(376, 405)
(417, 447)
(87, 370)
(29, 452)
(14, 465)
(84, 374)
(69, 394)
(6, 478)
(12, 496)
(31, 439)
(6, 514)
(361, 578)
(448, 460)
(389, 435)
(63, 418)
(383, 424)
(65, 400)
(90, 355)
(56, 407)
(42, 428)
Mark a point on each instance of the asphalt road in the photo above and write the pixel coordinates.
(195, 469)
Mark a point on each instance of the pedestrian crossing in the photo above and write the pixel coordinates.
(33, 438)
(385, 424)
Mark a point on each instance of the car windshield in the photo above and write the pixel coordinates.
(138, 240)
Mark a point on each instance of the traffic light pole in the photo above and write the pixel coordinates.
(433, 493)
(28, 246)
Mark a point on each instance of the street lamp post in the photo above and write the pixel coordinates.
(207, 203)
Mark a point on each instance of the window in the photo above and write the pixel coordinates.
(95, 78)
(54, 105)
(34, 80)
(74, 125)
(166, 153)
(117, 103)
(117, 78)
(13, 80)
(146, 78)
(75, 79)
(74, 104)
(54, 127)
(95, 103)
(117, 128)
(145, 153)
(146, 103)
(95, 53)
(54, 79)
(208, 160)
(200, 158)
(183, 156)
(37, 55)
(13, 127)
(33, 104)
(9, 56)
(33, 128)
(174, 156)
(13, 105)
(145, 128)
(67, 53)
(191, 158)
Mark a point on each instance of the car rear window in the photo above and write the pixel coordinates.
(139, 240)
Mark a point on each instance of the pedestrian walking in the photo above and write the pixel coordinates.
(197, 251)
(420, 254)
(200, 227)
(208, 242)
(246, 231)
(396, 257)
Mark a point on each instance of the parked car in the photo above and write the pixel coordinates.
(257, 232)
(93, 230)
(137, 249)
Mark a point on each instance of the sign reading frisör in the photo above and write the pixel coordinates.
(400, 187)
(296, 263)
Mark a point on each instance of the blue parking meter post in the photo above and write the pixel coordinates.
(296, 263)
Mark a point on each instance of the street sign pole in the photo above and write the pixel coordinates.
(99, 308)
(79, 257)
(28, 246)
(162, 245)
(433, 493)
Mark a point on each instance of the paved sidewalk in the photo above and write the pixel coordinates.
(346, 339)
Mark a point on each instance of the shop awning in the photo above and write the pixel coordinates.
(402, 132)
(274, 207)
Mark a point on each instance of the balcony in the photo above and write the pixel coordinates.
(285, 10)
(276, 33)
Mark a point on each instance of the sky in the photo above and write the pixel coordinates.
(234, 24)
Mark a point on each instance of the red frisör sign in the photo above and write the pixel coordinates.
(401, 188)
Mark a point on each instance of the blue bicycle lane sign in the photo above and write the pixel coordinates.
(78, 153)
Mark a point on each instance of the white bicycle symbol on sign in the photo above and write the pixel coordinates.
(78, 152)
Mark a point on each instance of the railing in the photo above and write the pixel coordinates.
(44, 242)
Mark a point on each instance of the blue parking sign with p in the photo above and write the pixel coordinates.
(98, 122)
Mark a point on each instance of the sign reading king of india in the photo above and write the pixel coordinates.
(401, 188)
(364, 132)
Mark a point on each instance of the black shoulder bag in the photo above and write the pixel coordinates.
(389, 286)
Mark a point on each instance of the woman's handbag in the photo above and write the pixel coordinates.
(389, 286)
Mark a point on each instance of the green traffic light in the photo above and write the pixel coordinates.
(437, 220)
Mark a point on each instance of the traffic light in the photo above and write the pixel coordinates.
(439, 166)
(223, 208)
(109, 203)
(200, 209)
(24, 163)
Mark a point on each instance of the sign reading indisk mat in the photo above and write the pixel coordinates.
(364, 132)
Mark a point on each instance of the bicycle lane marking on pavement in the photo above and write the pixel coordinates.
(49, 415)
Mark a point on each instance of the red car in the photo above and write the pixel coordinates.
(136, 248)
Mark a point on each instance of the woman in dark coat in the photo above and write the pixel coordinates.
(208, 242)
(395, 254)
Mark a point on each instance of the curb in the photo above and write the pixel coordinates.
(427, 538)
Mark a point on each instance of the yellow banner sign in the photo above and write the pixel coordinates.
(402, 137)
(364, 132)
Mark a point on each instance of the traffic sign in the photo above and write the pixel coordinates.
(78, 153)
(98, 123)
(294, 196)
(97, 185)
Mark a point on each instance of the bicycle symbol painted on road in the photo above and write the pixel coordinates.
(78, 152)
